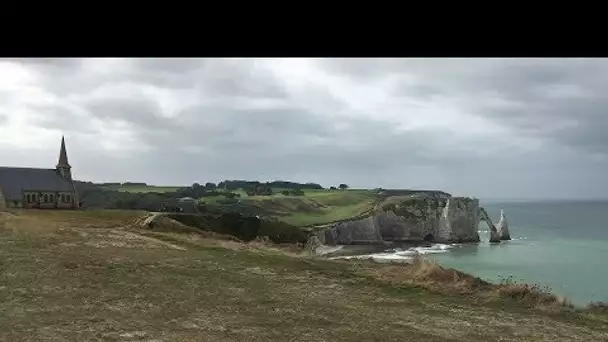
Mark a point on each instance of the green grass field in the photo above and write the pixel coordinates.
(67, 276)
(316, 206)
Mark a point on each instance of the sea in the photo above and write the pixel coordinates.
(561, 245)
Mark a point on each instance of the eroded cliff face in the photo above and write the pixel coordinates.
(494, 237)
(460, 220)
(453, 219)
(363, 231)
(503, 227)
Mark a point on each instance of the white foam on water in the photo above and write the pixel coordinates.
(434, 249)
(400, 255)
(378, 257)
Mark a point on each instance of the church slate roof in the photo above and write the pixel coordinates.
(13, 180)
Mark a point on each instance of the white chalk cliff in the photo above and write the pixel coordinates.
(433, 219)
(503, 227)
(494, 237)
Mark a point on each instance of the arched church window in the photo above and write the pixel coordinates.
(68, 198)
(46, 197)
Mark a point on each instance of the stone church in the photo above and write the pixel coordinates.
(22, 187)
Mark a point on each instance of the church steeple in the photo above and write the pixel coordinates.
(63, 166)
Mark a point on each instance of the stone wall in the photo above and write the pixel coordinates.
(454, 219)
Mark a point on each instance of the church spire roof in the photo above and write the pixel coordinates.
(63, 155)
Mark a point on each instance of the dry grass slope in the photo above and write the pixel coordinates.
(106, 276)
(432, 276)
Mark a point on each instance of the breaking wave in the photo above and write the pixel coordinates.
(401, 255)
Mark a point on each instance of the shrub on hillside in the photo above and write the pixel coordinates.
(94, 196)
(294, 192)
(227, 201)
(243, 227)
(281, 232)
(259, 190)
(243, 184)
(211, 193)
(109, 184)
(230, 195)
(134, 184)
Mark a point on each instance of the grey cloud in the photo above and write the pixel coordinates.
(240, 80)
(575, 120)
(362, 68)
(58, 69)
(284, 140)
(47, 62)
(220, 130)
(210, 78)
(143, 112)
(238, 120)
(530, 86)
(59, 117)
(179, 66)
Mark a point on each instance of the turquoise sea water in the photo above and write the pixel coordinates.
(562, 245)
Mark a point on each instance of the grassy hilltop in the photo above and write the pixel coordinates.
(98, 275)
(315, 206)
(293, 203)
(312, 206)
(143, 188)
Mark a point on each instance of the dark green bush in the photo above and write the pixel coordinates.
(243, 227)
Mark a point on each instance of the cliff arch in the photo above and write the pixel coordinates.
(429, 219)
(483, 216)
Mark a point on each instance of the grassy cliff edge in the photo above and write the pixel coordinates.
(90, 275)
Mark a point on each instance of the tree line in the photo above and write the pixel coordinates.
(244, 184)
(100, 196)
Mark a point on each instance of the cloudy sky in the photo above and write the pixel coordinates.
(491, 128)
